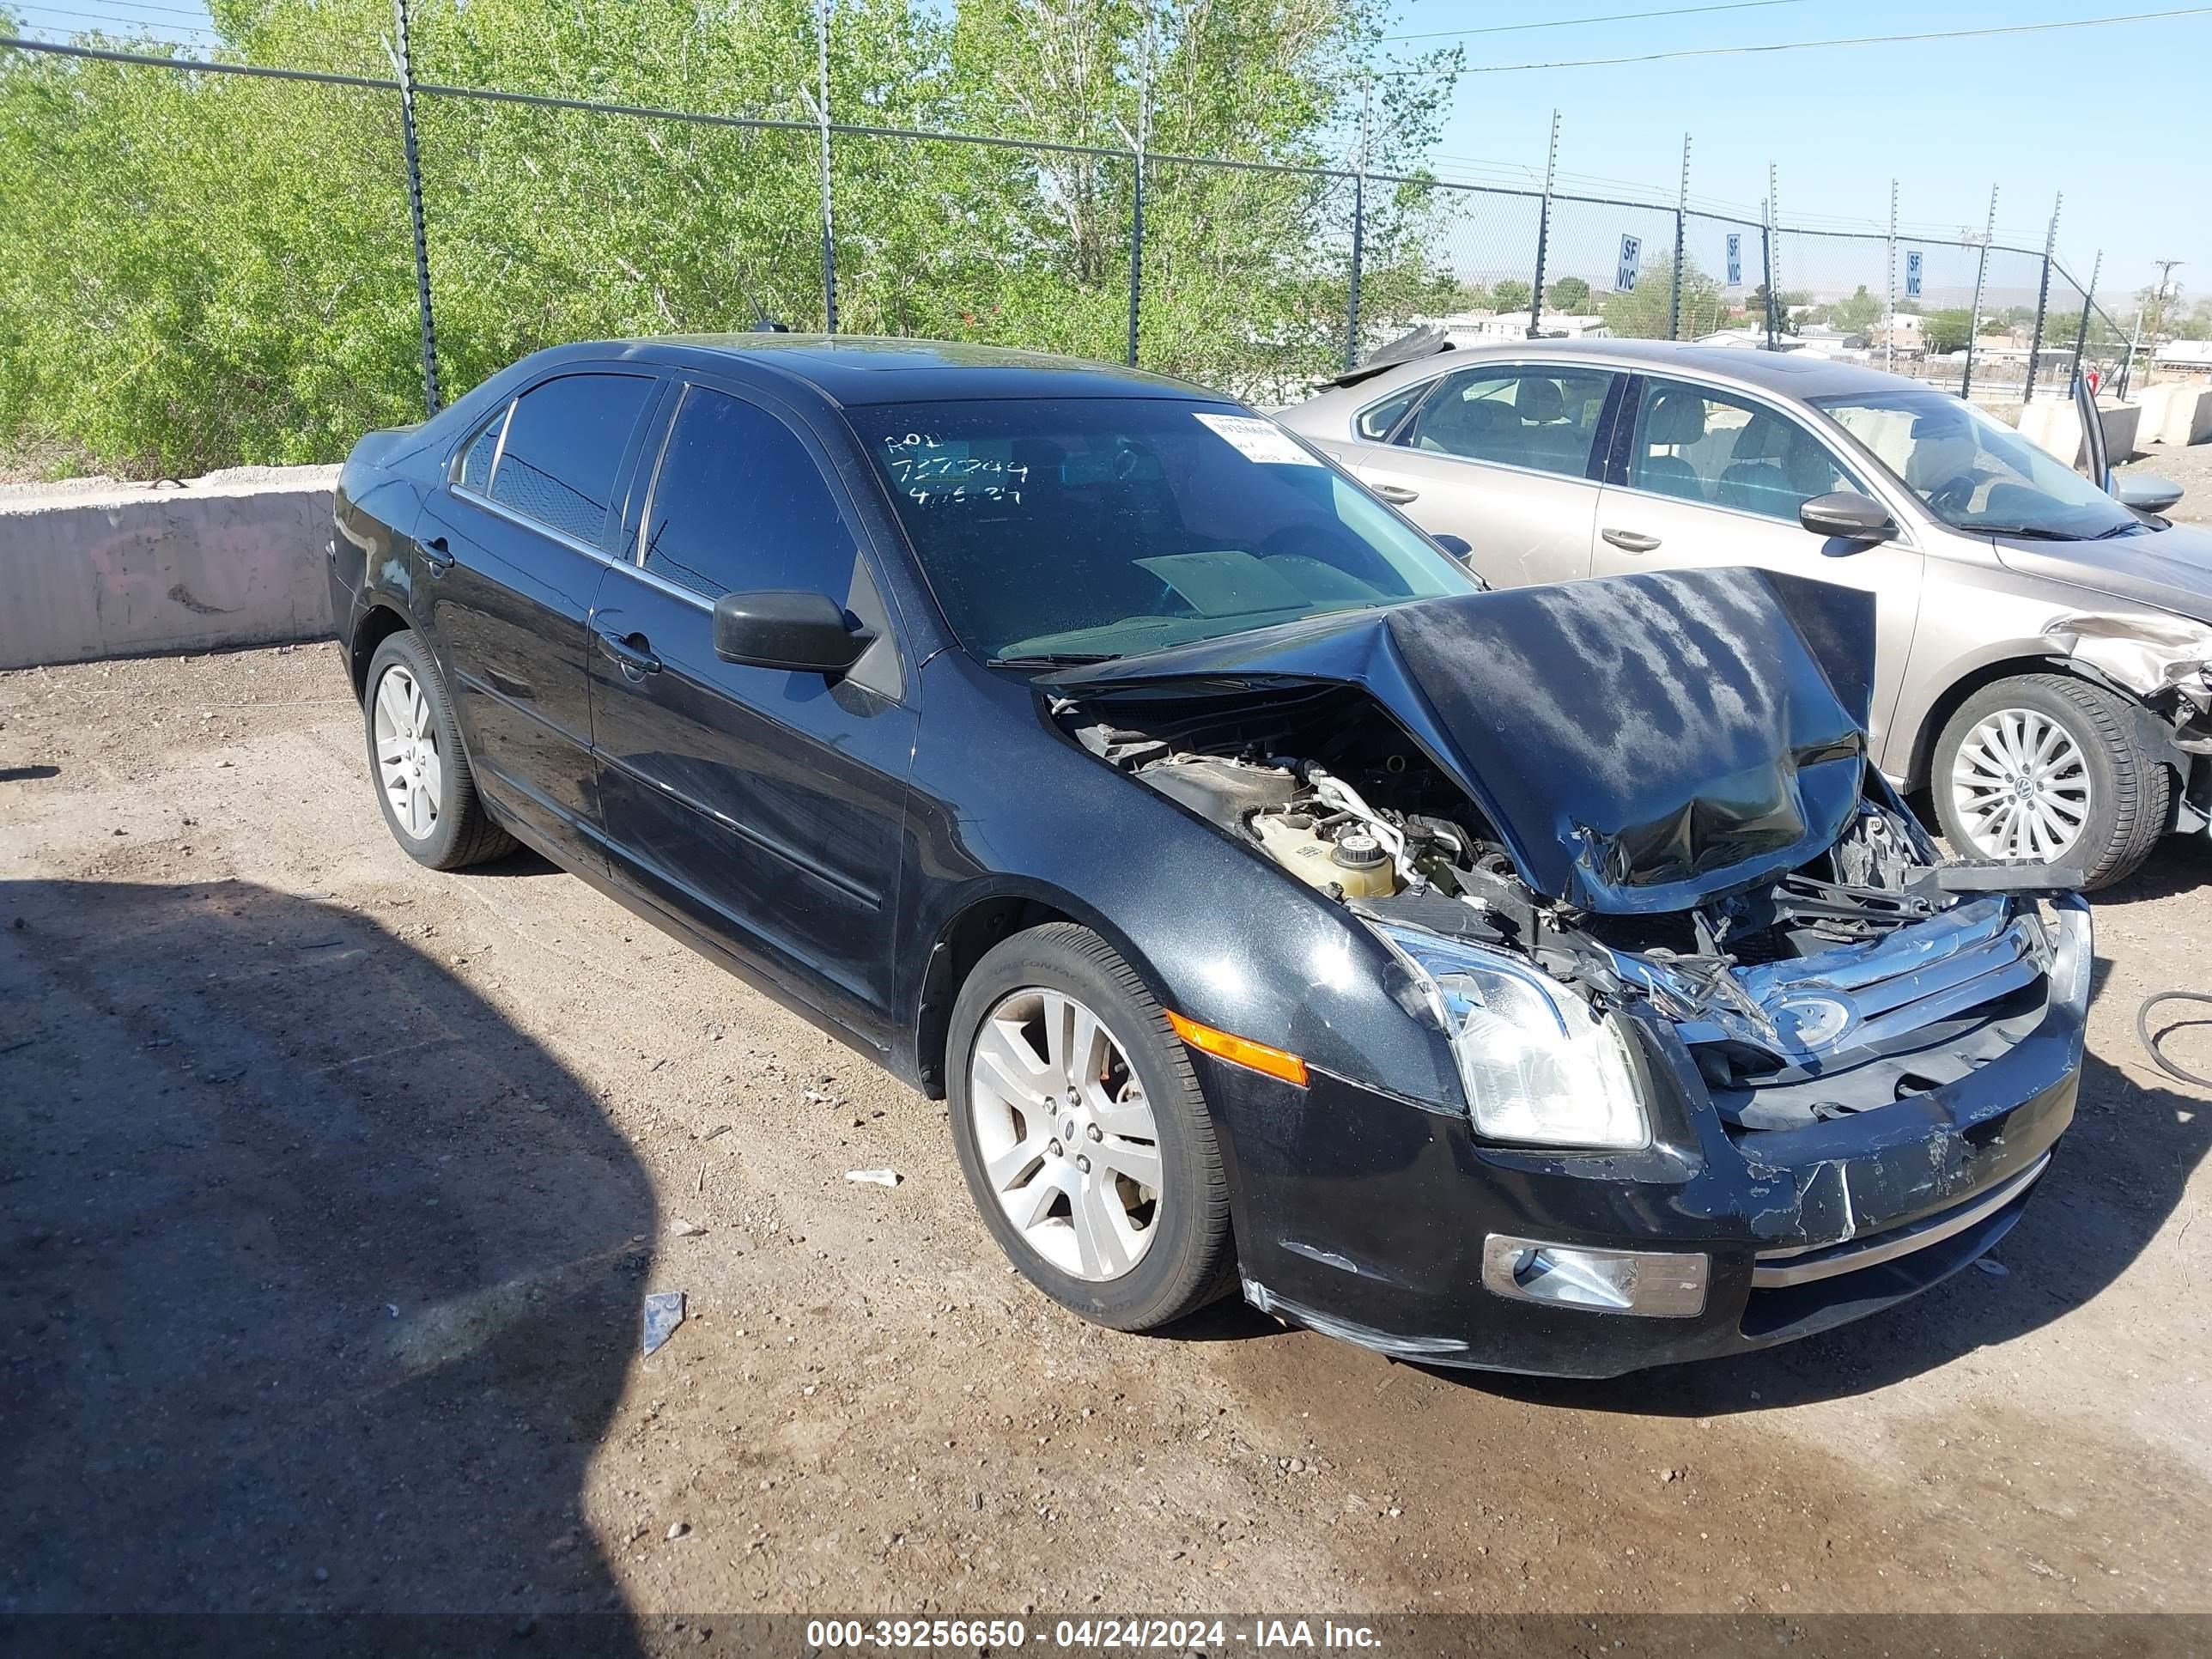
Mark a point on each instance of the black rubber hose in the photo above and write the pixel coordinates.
(2150, 1044)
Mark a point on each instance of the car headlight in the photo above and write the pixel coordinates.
(1539, 1064)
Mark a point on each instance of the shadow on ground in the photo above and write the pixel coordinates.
(319, 1281)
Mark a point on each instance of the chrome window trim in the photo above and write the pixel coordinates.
(674, 589)
(562, 536)
(653, 483)
(460, 455)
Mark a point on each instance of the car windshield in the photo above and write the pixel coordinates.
(1974, 471)
(1081, 529)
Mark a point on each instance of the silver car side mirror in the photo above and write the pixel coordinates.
(1846, 515)
(2146, 492)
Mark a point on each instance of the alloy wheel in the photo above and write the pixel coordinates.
(407, 761)
(1067, 1138)
(2020, 784)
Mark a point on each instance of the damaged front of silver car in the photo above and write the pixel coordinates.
(1739, 1055)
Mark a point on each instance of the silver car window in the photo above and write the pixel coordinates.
(1538, 417)
(1700, 445)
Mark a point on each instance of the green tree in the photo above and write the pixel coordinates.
(1569, 294)
(1510, 294)
(207, 270)
(1948, 330)
(1856, 315)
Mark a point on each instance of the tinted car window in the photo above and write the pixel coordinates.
(475, 471)
(1101, 526)
(564, 446)
(740, 504)
(1705, 446)
(1543, 418)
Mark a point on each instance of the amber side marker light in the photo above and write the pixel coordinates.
(1241, 1050)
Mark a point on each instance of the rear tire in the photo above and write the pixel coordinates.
(1091, 1154)
(2024, 758)
(415, 760)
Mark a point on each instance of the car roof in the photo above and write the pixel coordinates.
(1787, 374)
(854, 370)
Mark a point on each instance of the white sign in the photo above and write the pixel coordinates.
(1912, 274)
(1256, 439)
(1631, 254)
(1736, 261)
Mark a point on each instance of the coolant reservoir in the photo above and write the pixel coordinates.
(1357, 864)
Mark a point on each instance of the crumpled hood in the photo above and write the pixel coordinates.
(2169, 569)
(1639, 743)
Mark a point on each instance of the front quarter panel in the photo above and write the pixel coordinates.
(1003, 806)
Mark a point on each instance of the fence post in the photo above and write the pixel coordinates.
(2042, 303)
(1544, 234)
(1889, 329)
(1773, 229)
(1359, 236)
(1136, 143)
(822, 116)
(404, 63)
(1981, 275)
(1766, 265)
(1675, 283)
(2088, 299)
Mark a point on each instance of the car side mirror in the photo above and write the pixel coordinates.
(1847, 515)
(1458, 546)
(804, 633)
(2145, 492)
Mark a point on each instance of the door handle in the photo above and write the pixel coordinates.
(438, 554)
(1631, 541)
(633, 650)
(1396, 495)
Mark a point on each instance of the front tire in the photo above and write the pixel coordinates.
(2049, 767)
(1079, 1126)
(415, 756)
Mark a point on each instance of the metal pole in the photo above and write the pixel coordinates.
(1889, 331)
(821, 114)
(1544, 233)
(1774, 230)
(1981, 275)
(1359, 236)
(2088, 299)
(1675, 285)
(1137, 192)
(2042, 301)
(1766, 264)
(404, 63)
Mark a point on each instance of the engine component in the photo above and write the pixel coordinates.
(1356, 864)
(1223, 792)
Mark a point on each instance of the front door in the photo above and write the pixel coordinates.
(766, 808)
(1713, 477)
(1505, 456)
(510, 556)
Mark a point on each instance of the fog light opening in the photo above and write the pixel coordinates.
(1653, 1284)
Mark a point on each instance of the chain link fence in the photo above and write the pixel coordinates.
(545, 219)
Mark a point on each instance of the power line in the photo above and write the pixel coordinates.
(130, 5)
(122, 25)
(1610, 17)
(1856, 40)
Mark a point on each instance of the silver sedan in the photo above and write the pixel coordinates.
(2041, 646)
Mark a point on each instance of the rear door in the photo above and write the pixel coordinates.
(1505, 455)
(1703, 476)
(511, 555)
(765, 808)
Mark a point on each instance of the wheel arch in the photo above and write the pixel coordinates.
(2155, 735)
(378, 623)
(979, 920)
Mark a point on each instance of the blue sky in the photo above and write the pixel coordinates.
(2114, 116)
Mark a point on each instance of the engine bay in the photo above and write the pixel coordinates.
(1873, 971)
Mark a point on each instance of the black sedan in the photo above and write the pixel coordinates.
(1540, 980)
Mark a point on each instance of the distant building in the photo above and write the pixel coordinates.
(2189, 357)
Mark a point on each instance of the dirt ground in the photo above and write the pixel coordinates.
(329, 1186)
(2190, 467)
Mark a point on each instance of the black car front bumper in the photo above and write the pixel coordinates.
(1363, 1216)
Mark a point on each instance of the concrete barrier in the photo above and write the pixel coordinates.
(115, 570)
(2051, 425)
(2179, 412)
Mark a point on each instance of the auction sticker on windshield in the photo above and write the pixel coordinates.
(1256, 439)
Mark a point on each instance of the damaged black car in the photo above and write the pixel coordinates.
(1542, 981)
